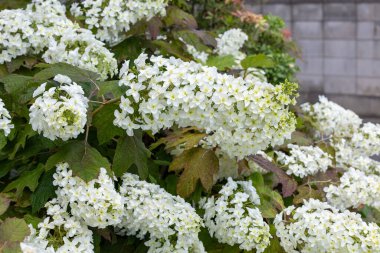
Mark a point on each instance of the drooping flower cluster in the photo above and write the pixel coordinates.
(171, 223)
(318, 227)
(43, 28)
(59, 112)
(230, 43)
(240, 117)
(303, 161)
(330, 118)
(5, 120)
(111, 19)
(96, 202)
(355, 189)
(233, 217)
(58, 233)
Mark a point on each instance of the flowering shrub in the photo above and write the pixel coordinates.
(190, 148)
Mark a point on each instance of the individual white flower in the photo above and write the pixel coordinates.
(60, 112)
(111, 19)
(230, 43)
(355, 189)
(304, 161)
(233, 217)
(5, 120)
(95, 202)
(239, 116)
(171, 223)
(330, 118)
(318, 227)
(58, 233)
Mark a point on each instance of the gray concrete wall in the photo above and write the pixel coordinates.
(340, 40)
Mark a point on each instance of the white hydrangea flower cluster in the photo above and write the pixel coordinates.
(332, 119)
(355, 189)
(241, 117)
(111, 19)
(233, 217)
(96, 202)
(80, 48)
(230, 43)
(59, 112)
(347, 157)
(43, 28)
(5, 119)
(304, 161)
(318, 227)
(366, 141)
(172, 224)
(58, 233)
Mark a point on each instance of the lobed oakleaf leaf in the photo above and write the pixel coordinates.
(13, 230)
(196, 164)
(28, 179)
(84, 160)
(131, 150)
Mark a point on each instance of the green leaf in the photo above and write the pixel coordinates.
(33, 220)
(20, 87)
(306, 192)
(21, 138)
(44, 191)
(257, 61)
(76, 74)
(111, 87)
(84, 160)
(196, 164)
(186, 137)
(13, 230)
(288, 184)
(178, 18)
(221, 62)
(167, 48)
(129, 49)
(131, 150)
(3, 140)
(271, 201)
(27, 179)
(102, 120)
(4, 203)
